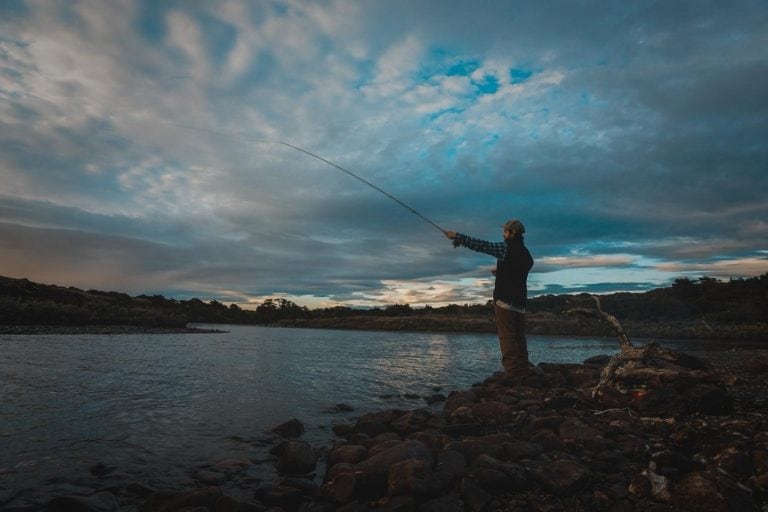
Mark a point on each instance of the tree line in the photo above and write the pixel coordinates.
(23, 302)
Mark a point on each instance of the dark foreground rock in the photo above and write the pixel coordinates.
(542, 443)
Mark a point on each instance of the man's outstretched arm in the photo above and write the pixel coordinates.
(495, 249)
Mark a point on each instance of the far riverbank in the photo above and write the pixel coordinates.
(101, 329)
(538, 323)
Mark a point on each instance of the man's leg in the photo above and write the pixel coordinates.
(512, 342)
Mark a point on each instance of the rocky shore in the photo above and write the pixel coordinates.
(542, 443)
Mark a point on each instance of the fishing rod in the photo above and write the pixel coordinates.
(297, 148)
(337, 166)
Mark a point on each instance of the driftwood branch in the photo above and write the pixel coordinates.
(650, 364)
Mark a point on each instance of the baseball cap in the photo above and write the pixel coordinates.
(514, 225)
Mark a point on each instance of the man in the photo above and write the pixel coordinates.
(513, 262)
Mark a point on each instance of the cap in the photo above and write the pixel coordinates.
(514, 225)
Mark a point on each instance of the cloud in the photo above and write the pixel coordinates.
(629, 138)
(721, 269)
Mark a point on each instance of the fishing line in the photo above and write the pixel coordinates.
(337, 166)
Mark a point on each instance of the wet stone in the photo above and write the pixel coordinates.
(290, 429)
(98, 502)
(698, 491)
(448, 503)
(166, 501)
(561, 476)
(474, 497)
(413, 477)
(210, 477)
(294, 458)
(347, 453)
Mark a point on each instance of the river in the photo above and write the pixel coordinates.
(155, 406)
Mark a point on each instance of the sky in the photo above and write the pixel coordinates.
(138, 154)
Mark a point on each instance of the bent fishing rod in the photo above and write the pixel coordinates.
(333, 164)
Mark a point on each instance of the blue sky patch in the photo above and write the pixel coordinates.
(488, 85)
(520, 75)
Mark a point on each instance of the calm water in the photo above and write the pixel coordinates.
(160, 404)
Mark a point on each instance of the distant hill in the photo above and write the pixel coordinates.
(704, 308)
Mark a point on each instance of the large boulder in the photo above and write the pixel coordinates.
(294, 458)
(290, 429)
(561, 476)
(413, 477)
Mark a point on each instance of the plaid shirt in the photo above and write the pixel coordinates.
(496, 249)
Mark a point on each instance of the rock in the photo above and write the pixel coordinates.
(561, 402)
(760, 462)
(373, 472)
(573, 429)
(290, 429)
(376, 423)
(400, 503)
(648, 484)
(434, 440)
(98, 502)
(709, 399)
(411, 421)
(549, 422)
(275, 495)
(341, 488)
(447, 503)
(211, 478)
(470, 428)
(755, 365)
(305, 485)
(343, 408)
(492, 445)
(229, 504)
(611, 398)
(386, 436)
(734, 461)
(494, 475)
(350, 453)
(354, 506)
(413, 477)
(462, 414)
(383, 446)
(312, 506)
(379, 464)
(101, 469)
(233, 465)
(294, 458)
(450, 466)
(580, 376)
(474, 497)
(361, 439)
(337, 469)
(548, 440)
(490, 411)
(663, 402)
(342, 429)
(698, 491)
(170, 501)
(518, 450)
(600, 360)
(457, 399)
(434, 399)
(561, 476)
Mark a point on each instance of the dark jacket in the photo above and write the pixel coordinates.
(512, 274)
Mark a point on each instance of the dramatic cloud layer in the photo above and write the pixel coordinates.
(136, 145)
